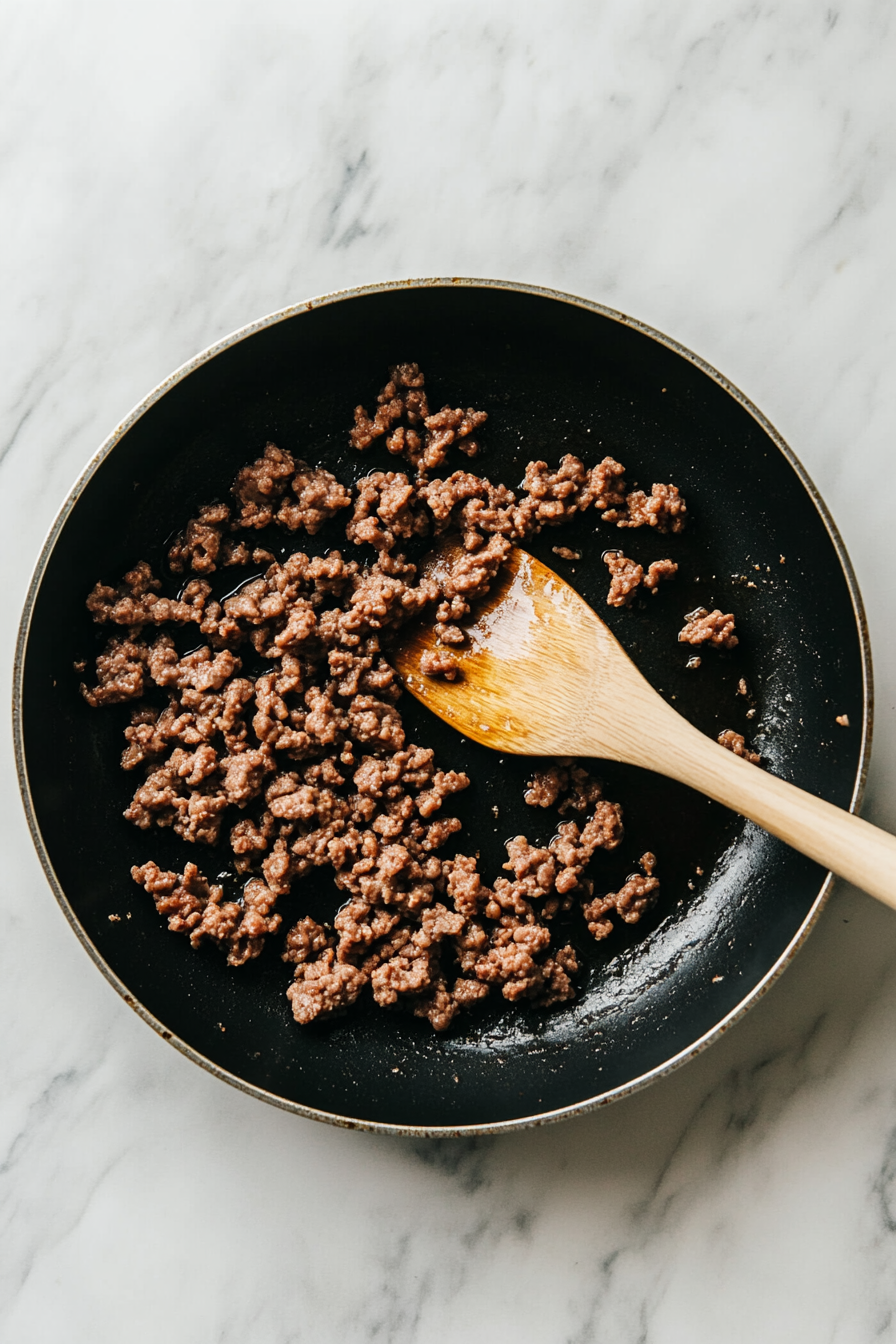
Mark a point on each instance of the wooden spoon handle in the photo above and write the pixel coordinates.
(849, 846)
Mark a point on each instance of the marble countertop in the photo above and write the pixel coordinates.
(726, 173)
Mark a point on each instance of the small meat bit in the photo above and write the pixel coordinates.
(258, 488)
(634, 899)
(709, 627)
(137, 601)
(657, 572)
(843, 720)
(735, 742)
(321, 987)
(546, 786)
(196, 907)
(625, 578)
(450, 634)
(198, 546)
(319, 497)
(403, 417)
(555, 496)
(434, 663)
(566, 553)
(120, 672)
(386, 511)
(565, 782)
(448, 427)
(663, 509)
(608, 485)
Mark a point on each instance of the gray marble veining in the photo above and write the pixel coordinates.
(726, 172)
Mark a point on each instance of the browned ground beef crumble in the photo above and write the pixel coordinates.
(434, 663)
(735, 742)
(636, 896)
(626, 577)
(709, 627)
(316, 744)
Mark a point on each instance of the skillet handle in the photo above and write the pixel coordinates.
(850, 847)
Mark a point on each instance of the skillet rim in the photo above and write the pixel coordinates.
(70, 502)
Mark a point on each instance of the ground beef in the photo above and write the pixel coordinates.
(473, 505)
(626, 577)
(450, 634)
(120, 673)
(566, 784)
(735, 742)
(545, 788)
(663, 509)
(319, 497)
(657, 572)
(259, 487)
(263, 492)
(137, 601)
(199, 545)
(386, 511)
(469, 577)
(402, 415)
(322, 986)
(448, 427)
(436, 664)
(608, 484)
(555, 496)
(709, 627)
(305, 765)
(195, 907)
(629, 903)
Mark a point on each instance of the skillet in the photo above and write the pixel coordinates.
(556, 374)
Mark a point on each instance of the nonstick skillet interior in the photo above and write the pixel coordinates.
(555, 376)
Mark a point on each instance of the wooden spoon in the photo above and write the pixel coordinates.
(541, 674)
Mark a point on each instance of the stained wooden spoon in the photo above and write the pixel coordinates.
(540, 674)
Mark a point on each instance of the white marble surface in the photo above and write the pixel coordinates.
(724, 171)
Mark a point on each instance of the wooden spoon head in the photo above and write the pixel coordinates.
(535, 662)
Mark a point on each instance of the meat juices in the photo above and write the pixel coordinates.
(306, 765)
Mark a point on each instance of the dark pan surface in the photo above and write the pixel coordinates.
(555, 375)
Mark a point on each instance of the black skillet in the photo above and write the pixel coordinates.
(556, 375)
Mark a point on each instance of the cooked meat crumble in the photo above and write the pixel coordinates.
(663, 508)
(307, 766)
(436, 664)
(709, 627)
(634, 899)
(657, 572)
(626, 577)
(735, 742)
